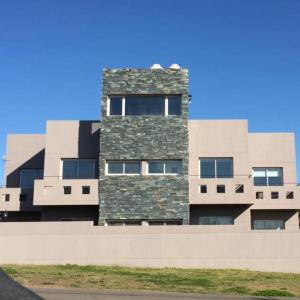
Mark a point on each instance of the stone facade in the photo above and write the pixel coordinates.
(143, 138)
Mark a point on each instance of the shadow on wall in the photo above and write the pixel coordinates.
(89, 141)
(11, 290)
(36, 161)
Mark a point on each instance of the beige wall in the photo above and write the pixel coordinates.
(219, 138)
(50, 191)
(68, 139)
(22, 151)
(157, 246)
(274, 150)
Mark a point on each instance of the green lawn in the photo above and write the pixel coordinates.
(168, 280)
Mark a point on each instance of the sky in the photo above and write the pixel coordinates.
(243, 58)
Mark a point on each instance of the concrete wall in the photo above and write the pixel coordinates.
(157, 246)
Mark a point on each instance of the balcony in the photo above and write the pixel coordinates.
(280, 201)
(56, 191)
(230, 196)
(16, 199)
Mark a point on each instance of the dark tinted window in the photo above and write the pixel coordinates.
(207, 168)
(174, 103)
(115, 167)
(132, 168)
(78, 169)
(115, 106)
(144, 105)
(86, 169)
(156, 167)
(224, 168)
(70, 169)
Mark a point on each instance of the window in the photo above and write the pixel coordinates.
(168, 167)
(267, 176)
(174, 105)
(259, 195)
(86, 189)
(115, 106)
(78, 168)
(239, 188)
(22, 197)
(268, 224)
(27, 177)
(67, 190)
(216, 220)
(274, 195)
(289, 195)
(220, 188)
(143, 105)
(216, 167)
(123, 167)
(203, 189)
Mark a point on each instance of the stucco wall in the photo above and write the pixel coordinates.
(157, 246)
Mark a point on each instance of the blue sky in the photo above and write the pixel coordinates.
(243, 57)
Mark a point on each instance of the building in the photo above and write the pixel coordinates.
(146, 163)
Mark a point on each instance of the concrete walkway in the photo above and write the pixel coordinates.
(82, 294)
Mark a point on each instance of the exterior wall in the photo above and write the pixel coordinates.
(68, 139)
(219, 138)
(50, 191)
(152, 246)
(144, 138)
(23, 151)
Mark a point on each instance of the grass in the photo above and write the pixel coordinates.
(166, 280)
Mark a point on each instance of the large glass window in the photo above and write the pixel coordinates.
(78, 168)
(138, 105)
(27, 177)
(216, 220)
(172, 167)
(123, 167)
(216, 167)
(267, 176)
(144, 105)
(268, 224)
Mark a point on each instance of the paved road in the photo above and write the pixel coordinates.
(81, 294)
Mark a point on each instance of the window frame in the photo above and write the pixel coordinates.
(164, 167)
(266, 170)
(216, 168)
(123, 162)
(77, 168)
(123, 110)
